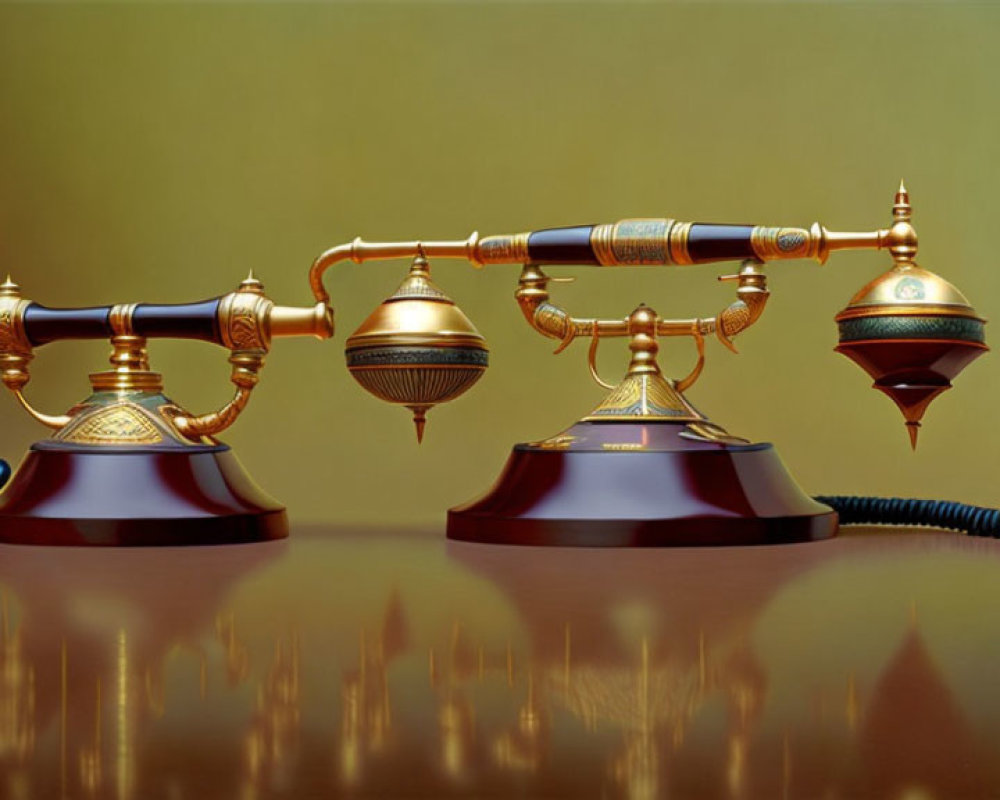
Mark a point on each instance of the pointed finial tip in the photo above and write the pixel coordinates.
(913, 428)
(420, 422)
(251, 284)
(902, 186)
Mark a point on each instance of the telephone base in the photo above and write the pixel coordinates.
(116, 496)
(670, 491)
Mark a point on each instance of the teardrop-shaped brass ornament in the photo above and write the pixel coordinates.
(910, 329)
(417, 349)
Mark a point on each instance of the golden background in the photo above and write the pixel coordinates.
(159, 152)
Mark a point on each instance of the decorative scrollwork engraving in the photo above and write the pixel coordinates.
(771, 243)
(504, 249)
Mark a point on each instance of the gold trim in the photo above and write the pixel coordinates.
(601, 243)
(561, 441)
(678, 243)
(928, 310)
(969, 343)
(441, 339)
(710, 432)
(383, 367)
(120, 319)
(16, 351)
(632, 242)
(244, 317)
(504, 249)
(774, 243)
(13, 338)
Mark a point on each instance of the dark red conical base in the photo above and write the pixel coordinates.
(101, 496)
(912, 372)
(675, 492)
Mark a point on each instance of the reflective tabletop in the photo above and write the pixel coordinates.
(398, 664)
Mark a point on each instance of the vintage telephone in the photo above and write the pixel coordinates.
(128, 466)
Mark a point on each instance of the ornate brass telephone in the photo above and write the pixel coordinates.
(127, 465)
(643, 468)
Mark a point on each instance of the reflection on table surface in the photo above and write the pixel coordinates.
(398, 664)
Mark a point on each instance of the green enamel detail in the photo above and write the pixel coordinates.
(417, 356)
(907, 327)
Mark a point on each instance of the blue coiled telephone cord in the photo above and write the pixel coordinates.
(974, 520)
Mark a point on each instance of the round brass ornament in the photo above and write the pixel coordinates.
(910, 329)
(913, 332)
(417, 349)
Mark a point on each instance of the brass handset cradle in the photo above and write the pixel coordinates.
(643, 326)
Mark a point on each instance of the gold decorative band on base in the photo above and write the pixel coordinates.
(122, 423)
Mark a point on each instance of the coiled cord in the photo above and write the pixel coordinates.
(974, 520)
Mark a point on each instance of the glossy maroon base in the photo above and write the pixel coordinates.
(61, 497)
(731, 495)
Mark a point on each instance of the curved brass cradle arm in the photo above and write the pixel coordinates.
(15, 378)
(54, 421)
(248, 321)
(246, 365)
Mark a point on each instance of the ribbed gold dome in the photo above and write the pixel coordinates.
(417, 348)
